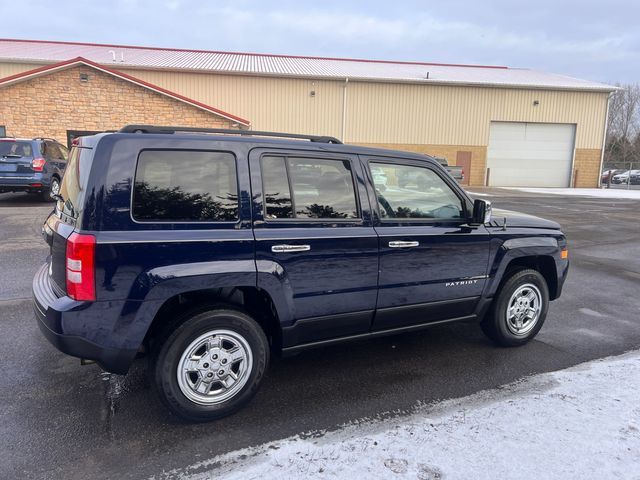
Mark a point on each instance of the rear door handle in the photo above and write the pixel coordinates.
(402, 244)
(290, 248)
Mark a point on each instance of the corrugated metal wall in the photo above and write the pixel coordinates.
(381, 112)
(277, 104)
(402, 113)
(7, 69)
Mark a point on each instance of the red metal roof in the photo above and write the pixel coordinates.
(126, 56)
(47, 69)
(186, 50)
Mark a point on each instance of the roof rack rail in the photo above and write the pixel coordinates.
(224, 131)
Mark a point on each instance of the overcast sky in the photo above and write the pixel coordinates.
(592, 40)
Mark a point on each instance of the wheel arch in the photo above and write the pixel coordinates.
(545, 264)
(254, 301)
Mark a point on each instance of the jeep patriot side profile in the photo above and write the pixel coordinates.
(209, 250)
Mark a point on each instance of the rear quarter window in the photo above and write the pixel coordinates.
(74, 181)
(185, 186)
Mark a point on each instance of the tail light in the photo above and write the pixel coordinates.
(81, 252)
(37, 164)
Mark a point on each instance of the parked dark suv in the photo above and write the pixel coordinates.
(34, 166)
(209, 250)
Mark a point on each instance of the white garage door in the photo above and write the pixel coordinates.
(530, 154)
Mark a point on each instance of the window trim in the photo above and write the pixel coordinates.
(394, 161)
(238, 221)
(312, 156)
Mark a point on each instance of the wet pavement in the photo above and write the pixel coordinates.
(59, 419)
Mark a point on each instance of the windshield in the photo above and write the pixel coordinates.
(11, 148)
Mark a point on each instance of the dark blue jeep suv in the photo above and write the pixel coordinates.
(208, 250)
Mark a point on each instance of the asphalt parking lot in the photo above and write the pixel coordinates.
(59, 419)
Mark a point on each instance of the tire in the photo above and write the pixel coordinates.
(54, 187)
(201, 384)
(522, 289)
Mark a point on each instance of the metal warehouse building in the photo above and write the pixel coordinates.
(505, 126)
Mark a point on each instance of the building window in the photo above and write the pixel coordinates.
(185, 186)
(3, 131)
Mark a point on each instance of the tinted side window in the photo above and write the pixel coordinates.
(406, 191)
(51, 150)
(185, 186)
(322, 188)
(277, 196)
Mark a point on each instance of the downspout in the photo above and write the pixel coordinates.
(344, 109)
(604, 139)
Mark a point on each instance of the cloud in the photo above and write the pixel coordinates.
(591, 40)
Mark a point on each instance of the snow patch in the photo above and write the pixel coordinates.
(477, 194)
(583, 192)
(592, 313)
(583, 422)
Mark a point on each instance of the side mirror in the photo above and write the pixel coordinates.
(481, 212)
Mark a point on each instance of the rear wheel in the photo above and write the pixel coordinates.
(519, 309)
(54, 189)
(211, 364)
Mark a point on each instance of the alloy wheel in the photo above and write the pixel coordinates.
(214, 367)
(523, 309)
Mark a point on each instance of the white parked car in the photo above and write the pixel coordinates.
(622, 177)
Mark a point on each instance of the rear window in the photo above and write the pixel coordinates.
(185, 186)
(12, 148)
(75, 180)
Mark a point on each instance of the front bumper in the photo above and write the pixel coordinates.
(52, 313)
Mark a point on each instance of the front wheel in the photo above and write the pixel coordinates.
(211, 364)
(519, 309)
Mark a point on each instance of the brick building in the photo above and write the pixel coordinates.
(79, 97)
(504, 126)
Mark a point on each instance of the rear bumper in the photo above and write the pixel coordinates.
(54, 313)
(23, 182)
